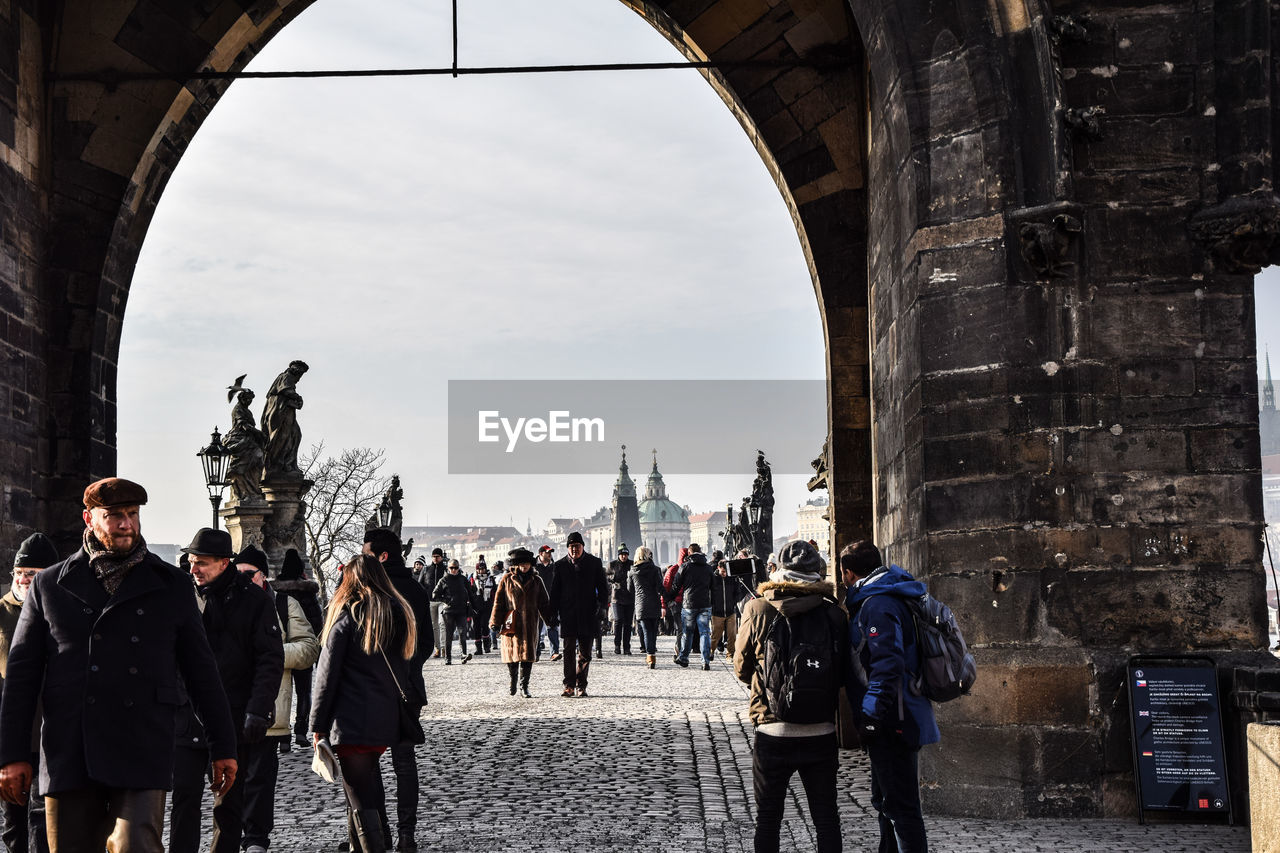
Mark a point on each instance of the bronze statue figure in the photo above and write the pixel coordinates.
(280, 421)
(247, 446)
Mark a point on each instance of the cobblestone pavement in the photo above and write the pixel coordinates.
(656, 761)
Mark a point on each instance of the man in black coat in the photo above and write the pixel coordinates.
(579, 591)
(102, 640)
(244, 633)
(624, 601)
(383, 543)
(428, 579)
(693, 580)
(454, 593)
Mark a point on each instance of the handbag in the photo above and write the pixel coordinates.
(324, 762)
(509, 626)
(410, 726)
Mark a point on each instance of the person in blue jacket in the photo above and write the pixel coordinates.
(892, 720)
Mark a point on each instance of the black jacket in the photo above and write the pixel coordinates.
(726, 592)
(355, 699)
(547, 573)
(240, 621)
(420, 603)
(644, 582)
(483, 589)
(107, 668)
(303, 592)
(694, 579)
(430, 576)
(455, 592)
(624, 601)
(578, 595)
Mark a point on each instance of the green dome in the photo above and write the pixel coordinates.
(661, 510)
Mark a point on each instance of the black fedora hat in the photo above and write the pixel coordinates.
(210, 543)
(520, 556)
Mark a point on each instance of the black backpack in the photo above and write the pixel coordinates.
(947, 669)
(801, 672)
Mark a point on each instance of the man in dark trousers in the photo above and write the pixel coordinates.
(240, 621)
(103, 637)
(383, 543)
(454, 593)
(693, 582)
(546, 569)
(579, 591)
(428, 579)
(624, 601)
(893, 722)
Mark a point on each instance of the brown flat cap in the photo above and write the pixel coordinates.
(114, 491)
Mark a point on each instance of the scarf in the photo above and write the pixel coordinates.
(792, 576)
(109, 567)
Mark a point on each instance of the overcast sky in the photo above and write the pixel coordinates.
(398, 233)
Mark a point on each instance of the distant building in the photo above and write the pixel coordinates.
(664, 524)
(165, 551)
(1268, 417)
(598, 533)
(706, 528)
(812, 522)
(625, 527)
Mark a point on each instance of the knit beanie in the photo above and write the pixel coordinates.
(799, 562)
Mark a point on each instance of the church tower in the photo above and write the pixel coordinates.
(626, 513)
(1269, 417)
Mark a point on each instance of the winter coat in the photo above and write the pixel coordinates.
(624, 600)
(579, 594)
(528, 599)
(644, 582)
(547, 573)
(107, 668)
(726, 592)
(430, 577)
(880, 615)
(693, 579)
(301, 649)
(790, 600)
(304, 592)
(244, 632)
(455, 592)
(355, 699)
(10, 610)
(671, 593)
(483, 589)
(420, 603)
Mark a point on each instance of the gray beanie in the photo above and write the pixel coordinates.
(799, 558)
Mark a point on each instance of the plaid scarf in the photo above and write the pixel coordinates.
(108, 567)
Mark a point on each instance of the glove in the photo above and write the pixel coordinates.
(255, 728)
(869, 728)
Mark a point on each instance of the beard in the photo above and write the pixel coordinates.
(19, 592)
(116, 543)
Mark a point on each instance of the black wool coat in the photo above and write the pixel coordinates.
(455, 592)
(694, 580)
(578, 595)
(420, 603)
(107, 668)
(244, 633)
(644, 581)
(355, 700)
(624, 601)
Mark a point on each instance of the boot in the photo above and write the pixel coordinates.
(651, 661)
(353, 842)
(369, 831)
(526, 669)
(514, 669)
(406, 844)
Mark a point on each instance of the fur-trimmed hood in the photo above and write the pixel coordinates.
(790, 598)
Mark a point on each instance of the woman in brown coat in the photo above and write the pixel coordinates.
(521, 596)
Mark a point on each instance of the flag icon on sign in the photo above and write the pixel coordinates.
(1142, 682)
(1147, 754)
(1144, 713)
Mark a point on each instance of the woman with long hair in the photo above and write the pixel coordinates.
(519, 600)
(369, 634)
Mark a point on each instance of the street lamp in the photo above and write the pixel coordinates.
(214, 460)
(383, 514)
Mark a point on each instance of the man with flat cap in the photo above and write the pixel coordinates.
(102, 640)
(579, 591)
(24, 824)
(240, 620)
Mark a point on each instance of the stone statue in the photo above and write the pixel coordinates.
(247, 446)
(820, 465)
(762, 506)
(742, 530)
(280, 422)
(389, 508)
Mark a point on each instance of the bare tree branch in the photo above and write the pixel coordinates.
(347, 490)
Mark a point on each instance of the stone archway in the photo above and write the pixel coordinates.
(1032, 238)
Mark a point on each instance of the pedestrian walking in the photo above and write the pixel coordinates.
(519, 601)
(671, 598)
(293, 582)
(369, 637)
(693, 581)
(483, 587)
(24, 826)
(644, 583)
(726, 593)
(454, 593)
(578, 592)
(384, 544)
(893, 722)
(793, 651)
(103, 638)
(428, 578)
(243, 630)
(624, 602)
(550, 633)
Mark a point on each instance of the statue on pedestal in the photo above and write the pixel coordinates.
(246, 445)
(280, 421)
(762, 506)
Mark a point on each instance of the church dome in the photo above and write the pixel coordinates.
(656, 507)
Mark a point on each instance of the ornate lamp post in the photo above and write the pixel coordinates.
(383, 514)
(214, 460)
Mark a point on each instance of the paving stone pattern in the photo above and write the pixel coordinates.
(658, 761)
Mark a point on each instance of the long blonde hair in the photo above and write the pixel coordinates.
(367, 592)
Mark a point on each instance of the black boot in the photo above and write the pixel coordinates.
(514, 669)
(353, 842)
(526, 669)
(369, 831)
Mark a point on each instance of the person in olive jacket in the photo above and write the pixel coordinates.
(370, 637)
(579, 591)
(102, 640)
(240, 621)
(644, 582)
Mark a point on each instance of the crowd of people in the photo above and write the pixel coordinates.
(124, 677)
